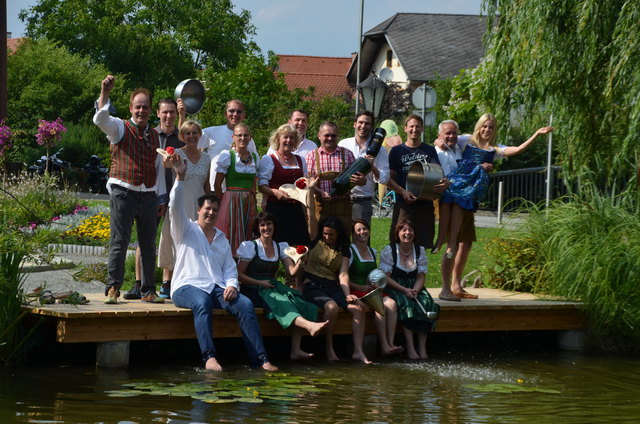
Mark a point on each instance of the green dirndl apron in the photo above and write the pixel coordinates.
(283, 303)
(409, 313)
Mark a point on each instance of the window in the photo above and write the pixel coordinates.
(389, 59)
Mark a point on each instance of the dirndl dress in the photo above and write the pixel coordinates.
(409, 313)
(282, 303)
(469, 183)
(238, 204)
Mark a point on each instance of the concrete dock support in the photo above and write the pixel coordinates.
(572, 340)
(112, 354)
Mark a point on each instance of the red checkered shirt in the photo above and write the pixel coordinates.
(329, 162)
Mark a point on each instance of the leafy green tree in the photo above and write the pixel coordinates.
(158, 43)
(579, 60)
(46, 81)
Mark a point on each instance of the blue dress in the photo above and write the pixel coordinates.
(469, 182)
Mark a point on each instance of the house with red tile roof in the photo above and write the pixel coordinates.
(12, 44)
(327, 74)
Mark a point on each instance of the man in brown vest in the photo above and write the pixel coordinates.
(135, 177)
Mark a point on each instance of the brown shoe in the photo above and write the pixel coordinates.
(448, 296)
(465, 295)
(152, 298)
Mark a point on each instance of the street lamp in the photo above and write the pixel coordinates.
(372, 90)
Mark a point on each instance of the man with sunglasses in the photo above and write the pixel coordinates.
(219, 138)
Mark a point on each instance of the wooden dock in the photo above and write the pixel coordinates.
(495, 310)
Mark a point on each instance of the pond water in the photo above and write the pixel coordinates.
(541, 387)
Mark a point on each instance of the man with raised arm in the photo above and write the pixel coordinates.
(135, 177)
(205, 275)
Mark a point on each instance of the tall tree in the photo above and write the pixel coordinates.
(579, 60)
(158, 43)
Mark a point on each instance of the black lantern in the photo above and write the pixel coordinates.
(373, 90)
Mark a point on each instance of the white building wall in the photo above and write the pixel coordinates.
(399, 75)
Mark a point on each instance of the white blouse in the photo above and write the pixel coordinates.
(266, 168)
(386, 259)
(247, 251)
(223, 161)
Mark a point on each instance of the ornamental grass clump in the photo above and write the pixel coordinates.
(15, 247)
(590, 251)
(31, 200)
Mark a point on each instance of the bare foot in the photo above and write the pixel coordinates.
(300, 354)
(317, 327)
(212, 364)
(413, 355)
(425, 356)
(392, 350)
(360, 357)
(268, 366)
(331, 355)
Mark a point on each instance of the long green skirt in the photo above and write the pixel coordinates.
(286, 304)
(409, 313)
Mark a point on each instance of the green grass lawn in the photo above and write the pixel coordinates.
(477, 258)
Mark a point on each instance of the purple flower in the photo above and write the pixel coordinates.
(5, 138)
(49, 132)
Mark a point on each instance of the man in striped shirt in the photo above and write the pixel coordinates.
(327, 162)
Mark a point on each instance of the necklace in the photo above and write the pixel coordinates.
(407, 253)
(286, 159)
(247, 160)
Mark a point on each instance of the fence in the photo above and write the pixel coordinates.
(528, 184)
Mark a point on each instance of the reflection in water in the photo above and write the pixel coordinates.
(591, 389)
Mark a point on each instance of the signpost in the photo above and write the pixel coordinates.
(424, 98)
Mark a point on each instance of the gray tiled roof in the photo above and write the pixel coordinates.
(427, 45)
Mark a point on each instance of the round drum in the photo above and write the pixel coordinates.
(422, 177)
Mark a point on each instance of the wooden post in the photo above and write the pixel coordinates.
(3, 61)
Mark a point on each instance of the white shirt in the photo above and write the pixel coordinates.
(198, 263)
(381, 162)
(304, 147)
(223, 162)
(218, 139)
(449, 158)
(114, 129)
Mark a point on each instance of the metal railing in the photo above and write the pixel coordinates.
(527, 184)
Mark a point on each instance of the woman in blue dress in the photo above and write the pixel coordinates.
(468, 184)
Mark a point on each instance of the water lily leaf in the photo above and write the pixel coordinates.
(123, 393)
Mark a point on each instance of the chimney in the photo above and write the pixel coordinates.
(8, 35)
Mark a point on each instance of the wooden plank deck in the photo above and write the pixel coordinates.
(495, 310)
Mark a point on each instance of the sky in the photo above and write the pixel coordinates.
(308, 27)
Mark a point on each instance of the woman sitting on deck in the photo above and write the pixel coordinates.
(361, 263)
(325, 281)
(257, 267)
(406, 265)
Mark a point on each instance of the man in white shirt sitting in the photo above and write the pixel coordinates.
(205, 275)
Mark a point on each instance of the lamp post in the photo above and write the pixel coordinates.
(373, 90)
